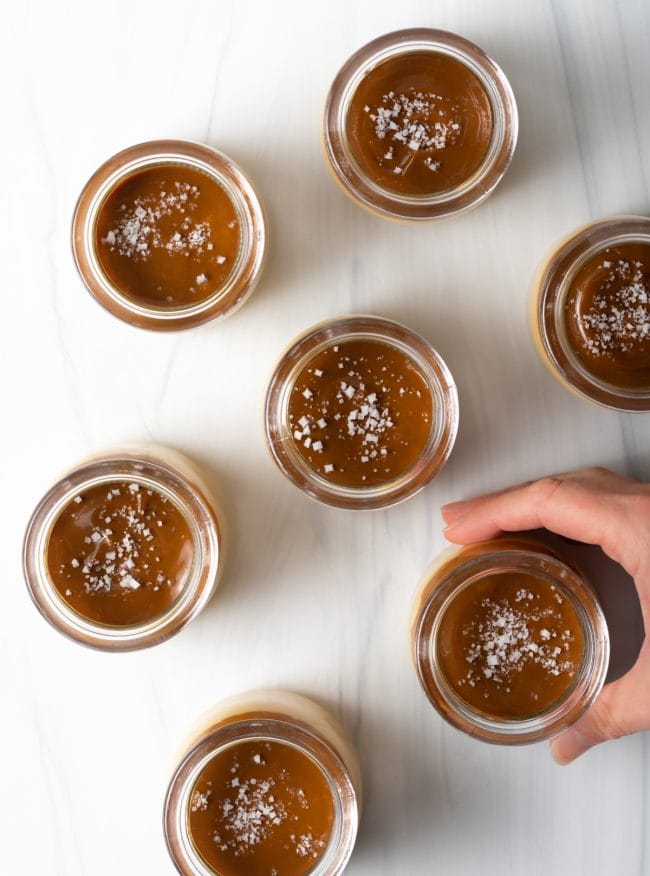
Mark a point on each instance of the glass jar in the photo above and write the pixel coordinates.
(357, 183)
(248, 262)
(451, 575)
(173, 477)
(548, 306)
(439, 382)
(268, 716)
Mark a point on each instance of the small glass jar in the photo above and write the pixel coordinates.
(439, 381)
(268, 716)
(548, 302)
(472, 191)
(457, 569)
(245, 272)
(176, 479)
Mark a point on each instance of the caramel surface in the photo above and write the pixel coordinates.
(420, 123)
(510, 645)
(361, 413)
(607, 315)
(119, 553)
(261, 807)
(168, 236)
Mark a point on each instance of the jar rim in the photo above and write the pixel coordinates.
(246, 270)
(579, 695)
(552, 287)
(432, 368)
(270, 727)
(188, 496)
(382, 201)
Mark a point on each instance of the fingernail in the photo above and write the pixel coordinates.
(570, 745)
(556, 753)
(453, 512)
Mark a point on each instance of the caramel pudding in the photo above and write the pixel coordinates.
(269, 783)
(261, 807)
(168, 236)
(420, 123)
(607, 314)
(119, 553)
(361, 413)
(125, 549)
(510, 645)
(508, 640)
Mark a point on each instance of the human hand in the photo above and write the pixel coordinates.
(594, 506)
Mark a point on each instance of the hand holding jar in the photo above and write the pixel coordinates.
(594, 506)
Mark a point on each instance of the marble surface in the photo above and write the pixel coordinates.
(313, 599)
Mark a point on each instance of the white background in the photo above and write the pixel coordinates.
(313, 599)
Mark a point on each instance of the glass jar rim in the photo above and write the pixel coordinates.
(434, 371)
(274, 728)
(208, 160)
(188, 497)
(553, 286)
(473, 191)
(580, 694)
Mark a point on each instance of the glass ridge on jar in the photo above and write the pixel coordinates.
(549, 292)
(272, 716)
(380, 200)
(245, 273)
(435, 373)
(174, 477)
(458, 568)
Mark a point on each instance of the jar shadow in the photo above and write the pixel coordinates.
(617, 596)
(259, 510)
(310, 221)
(420, 788)
(554, 139)
(496, 374)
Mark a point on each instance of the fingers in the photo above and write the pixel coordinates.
(622, 707)
(551, 503)
(576, 506)
(455, 511)
(596, 478)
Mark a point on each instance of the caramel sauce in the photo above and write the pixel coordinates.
(261, 807)
(167, 236)
(607, 315)
(119, 553)
(510, 645)
(361, 413)
(420, 123)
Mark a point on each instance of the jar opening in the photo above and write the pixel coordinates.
(373, 188)
(510, 646)
(133, 266)
(234, 741)
(283, 431)
(100, 562)
(583, 339)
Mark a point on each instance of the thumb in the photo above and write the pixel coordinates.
(617, 711)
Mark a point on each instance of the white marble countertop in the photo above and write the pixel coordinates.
(313, 599)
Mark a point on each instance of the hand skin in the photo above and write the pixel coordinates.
(594, 506)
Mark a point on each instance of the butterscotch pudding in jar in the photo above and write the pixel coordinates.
(168, 235)
(591, 312)
(420, 124)
(508, 641)
(125, 550)
(269, 783)
(361, 412)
